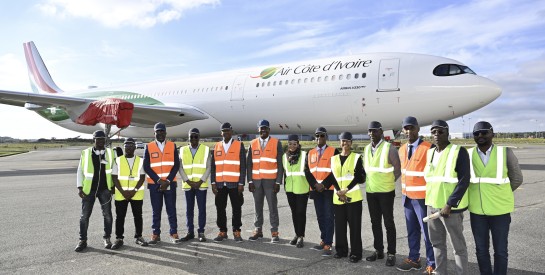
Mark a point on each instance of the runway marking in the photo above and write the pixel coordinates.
(253, 252)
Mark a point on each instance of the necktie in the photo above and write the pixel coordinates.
(410, 151)
(320, 151)
(262, 145)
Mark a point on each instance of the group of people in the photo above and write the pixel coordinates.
(439, 181)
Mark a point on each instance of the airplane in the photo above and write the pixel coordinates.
(339, 93)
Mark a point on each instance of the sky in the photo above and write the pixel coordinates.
(104, 42)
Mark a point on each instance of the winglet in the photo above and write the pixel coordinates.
(40, 79)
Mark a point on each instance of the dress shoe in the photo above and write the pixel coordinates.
(354, 258)
(81, 246)
(391, 260)
(300, 243)
(187, 237)
(202, 238)
(107, 243)
(117, 244)
(294, 240)
(339, 255)
(376, 255)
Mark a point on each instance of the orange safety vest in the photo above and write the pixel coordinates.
(264, 162)
(413, 184)
(161, 162)
(321, 168)
(227, 164)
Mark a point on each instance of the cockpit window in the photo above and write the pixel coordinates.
(451, 69)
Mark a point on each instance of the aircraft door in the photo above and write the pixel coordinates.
(388, 78)
(237, 92)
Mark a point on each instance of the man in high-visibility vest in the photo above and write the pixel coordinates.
(447, 179)
(161, 163)
(413, 186)
(194, 171)
(321, 183)
(94, 180)
(348, 171)
(382, 168)
(128, 176)
(228, 171)
(264, 174)
(495, 174)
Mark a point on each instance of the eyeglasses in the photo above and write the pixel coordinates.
(481, 132)
(437, 132)
(319, 135)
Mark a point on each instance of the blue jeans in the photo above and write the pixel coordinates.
(482, 226)
(105, 199)
(415, 211)
(190, 206)
(323, 203)
(156, 198)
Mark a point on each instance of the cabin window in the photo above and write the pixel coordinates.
(348, 76)
(332, 78)
(312, 79)
(340, 77)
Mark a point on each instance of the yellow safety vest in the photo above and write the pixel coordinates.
(128, 177)
(89, 169)
(490, 189)
(195, 166)
(344, 174)
(296, 182)
(441, 180)
(379, 171)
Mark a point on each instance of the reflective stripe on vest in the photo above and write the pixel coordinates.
(128, 177)
(442, 180)
(295, 181)
(227, 164)
(344, 174)
(89, 169)
(161, 162)
(379, 171)
(195, 166)
(321, 167)
(413, 184)
(264, 164)
(490, 189)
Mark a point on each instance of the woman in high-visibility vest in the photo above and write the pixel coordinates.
(297, 187)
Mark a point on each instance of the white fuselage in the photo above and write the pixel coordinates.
(299, 97)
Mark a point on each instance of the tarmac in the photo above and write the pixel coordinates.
(39, 221)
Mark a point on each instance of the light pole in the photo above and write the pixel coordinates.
(469, 125)
(537, 126)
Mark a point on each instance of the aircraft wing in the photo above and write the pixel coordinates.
(143, 115)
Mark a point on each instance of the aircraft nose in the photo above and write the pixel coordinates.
(490, 90)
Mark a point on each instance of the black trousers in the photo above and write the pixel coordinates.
(381, 205)
(298, 206)
(348, 213)
(121, 212)
(236, 204)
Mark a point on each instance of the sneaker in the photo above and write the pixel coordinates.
(117, 244)
(327, 251)
(294, 240)
(237, 237)
(141, 242)
(256, 236)
(107, 243)
(408, 265)
(155, 239)
(300, 243)
(319, 247)
(81, 246)
(376, 255)
(202, 238)
(391, 260)
(187, 237)
(274, 237)
(429, 270)
(174, 238)
(221, 236)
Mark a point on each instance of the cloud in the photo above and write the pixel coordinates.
(119, 13)
(10, 73)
